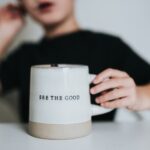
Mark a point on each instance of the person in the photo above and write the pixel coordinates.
(122, 79)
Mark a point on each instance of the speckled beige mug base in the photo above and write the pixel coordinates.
(59, 131)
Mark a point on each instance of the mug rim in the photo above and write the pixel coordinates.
(60, 66)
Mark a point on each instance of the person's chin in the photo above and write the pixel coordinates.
(47, 20)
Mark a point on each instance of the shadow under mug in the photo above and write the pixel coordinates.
(60, 105)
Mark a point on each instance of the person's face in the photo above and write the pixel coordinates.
(49, 12)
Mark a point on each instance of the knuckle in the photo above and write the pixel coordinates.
(131, 81)
(110, 70)
(125, 73)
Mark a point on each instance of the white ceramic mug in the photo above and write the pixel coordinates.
(60, 105)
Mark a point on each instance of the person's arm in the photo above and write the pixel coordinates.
(11, 22)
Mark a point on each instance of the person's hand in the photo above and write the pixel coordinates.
(11, 21)
(116, 89)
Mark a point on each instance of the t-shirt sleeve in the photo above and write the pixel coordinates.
(9, 73)
(134, 65)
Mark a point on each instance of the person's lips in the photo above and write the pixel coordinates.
(45, 6)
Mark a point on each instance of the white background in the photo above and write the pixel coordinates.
(129, 19)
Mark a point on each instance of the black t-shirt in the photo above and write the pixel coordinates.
(97, 50)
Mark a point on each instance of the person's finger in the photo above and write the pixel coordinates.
(112, 95)
(14, 10)
(4, 13)
(10, 11)
(112, 83)
(119, 103)
(109, 73)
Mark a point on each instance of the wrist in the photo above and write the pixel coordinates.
(5, 43)
(143, 96)
(142, 100)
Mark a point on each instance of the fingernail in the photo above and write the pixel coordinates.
(95, 81)
(97, 100)
(92, 91)
(102, 104)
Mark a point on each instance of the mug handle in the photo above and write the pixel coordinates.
(96, 109)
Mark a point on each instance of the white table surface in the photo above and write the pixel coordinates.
(104, 136)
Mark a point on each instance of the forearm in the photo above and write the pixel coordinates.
(4, 44)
